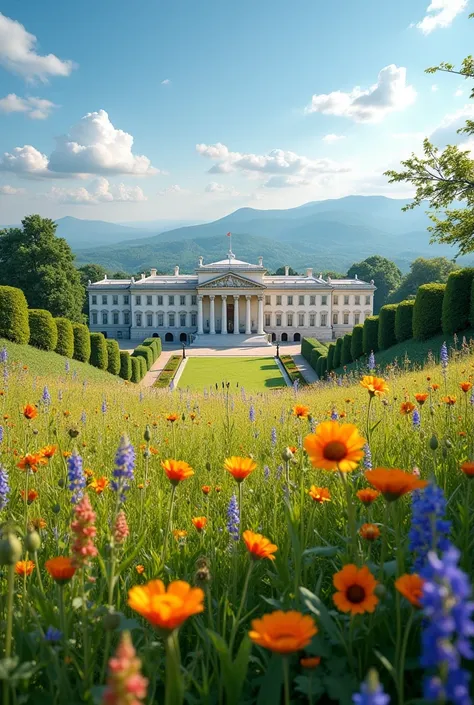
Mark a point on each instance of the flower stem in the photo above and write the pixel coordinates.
(168, 524)
(286, 679)
(8, 634)
(240, 507)
(174, 688)
(241, 607)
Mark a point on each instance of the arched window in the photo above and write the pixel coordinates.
(296, 337)
(284, 337)
(169, 337)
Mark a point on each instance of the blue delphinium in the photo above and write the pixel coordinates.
(1, 434)
(447, 628)
(83, 417)
(266, 472)
(67, 366)
(429, 529)
(46, 397)
(4, 487)
(104, 406)
(76, 476)
(252, 413)
(443, 356)
(273, 437)
(371, 691)
(233, 518)
(53, 635)
(371, 361)
(334, 415)
(367, 457)
(279, 471)
(3, 355)
(416, 419)
(123, 473)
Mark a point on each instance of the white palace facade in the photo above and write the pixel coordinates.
(228, 298)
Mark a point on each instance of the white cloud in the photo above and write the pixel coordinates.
(434, 87)
(446, 132)
(282, 181)
(11, 191)
(99, 191)
(18, 53)
(26, 161)
(440, 14)
(458, 93)
(333, 138)
(35, 108)
(175, 188)
(166, 82)
(390, 94)
(214, 187)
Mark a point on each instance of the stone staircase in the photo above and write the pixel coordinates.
(230, 341)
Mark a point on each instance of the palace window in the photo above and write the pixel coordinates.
(94, 318)
(268, 300)
(105, 318)
(278, 319)
(346, 319)
(324, 300)
(278, 300)
(357, 300)
(114, 300)
(356, 319)
(312, 320)
(193, 300)
(301, 319)
(149, 320)
(312, 300)
(138, 319)
(193, 319)
(138, 300)
(367, 300)
(182, 320)
(289, 319)
(171, 320)
(104, 299)
(268, 320)
(335, 318)
(160, 300)
(126, 300)
(115, 319)
(171, 300)
(182, 301)
(94, 300)
(126, 318)
(160, 320)
(324, 320)
(149, 300)
(346, 300)
(301, 300)
(289, 300)
(336, 300)
(119, 334)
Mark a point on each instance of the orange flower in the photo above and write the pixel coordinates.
(48, 451)
(421, 397)
(206, 489)
(335, 446)
(450, 400)
(217, 489)
(176, 470)
(239, 467)
(368, 495)
(301, 411)
(355, 590)
(411, 587)
(99, 484)
(179, 534)
(283, 632)
(434, 387)
(258, 546)
(31, 462)
(310, 661)
(374, 385)
(61, 569)
(32, 495)
(466, 386)
(319, 494)
(172, 417)
(199, 522)
(369, 532)
(24, 568)
(140, 568)
(166, 608)
(468, 468)
(39, 523)
(293, 449)
(30, 412)
(393, 483)
(406, 407)
(67, 453)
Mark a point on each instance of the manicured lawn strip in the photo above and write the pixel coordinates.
(252, 373)
(168, 372)
(292, 369)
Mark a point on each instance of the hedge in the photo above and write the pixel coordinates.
(337, 354)
(321, 366)
(136, 375)
(427, 311)
(43, 331)
(168, 373)
(456, 302)
(144, 365)
(346, 355)
(146, 353)
(370, 335)
(292, 370)
(357, 349)
(113, 357)
(404, 320)
(330, 356)
(14, 323)
(386, 334)
(125, 365)
(82, 342)
(310, 345)
(155, 345)
(65, 344)
(99, 354)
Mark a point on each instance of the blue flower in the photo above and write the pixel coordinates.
(104, 406)
(266, 472)
(371, 361)
(443, 356)
(371, 692)
(1, 434)
(429, 529)
(334, 415)
(367, 457)
(83, 417)
(46, 396)
(53, 635)
(67, 366)
(4, 487)
(416, 419)
(252, 413)
(124, 468)
(233, 518)
(3, 355)
(273, 437)
(76, 476)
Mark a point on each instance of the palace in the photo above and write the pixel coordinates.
(228, 298)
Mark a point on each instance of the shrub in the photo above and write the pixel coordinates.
(456, 302)
(330, 356)
(155, 345)
(14, 323)
(404, 320)
(337, 354)
(136, 375)
(43, 331)
(65, 344)
(321, 366)
(125, 365)
(99, 355)
(427, 311)
(113, 357)
(308, 345)
(316, 353)
(370, 335)
(292, 370)
(146, 353)
(346, 355)
(168, 373)
(357, 349)
(386, 334)
(82, 342)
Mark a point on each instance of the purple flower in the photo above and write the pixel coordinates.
(367, 457)
(296, 385)
(279, 471)
(273, 437)
(1, 434)
(252, 413)
(3, 355)
(104, 406)
(416, 419)
(53, 635)
(124, 466)
(233, 518)
(371, 692)
(429, 529)
(46, 396)
(67, 366)
(4, 487)
(334, 415)
(371, 361)
(443, 356)
(83, 417)
(76, 476)
(266, 472)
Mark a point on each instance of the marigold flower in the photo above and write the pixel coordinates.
(239, 467)
(32, 495)
(61, 569)
(374, 385)
(48, 451)
(435, 387)
(421, 397)
(206, 489)
(335, 446)
(468, 468)
(166, 608)
(258, 546)
(30, 412)
(466, 386)
(217, 489)
(406, 408)
(176, 470)
(283, 632)
(310, 661)
(355, 588)
(411, 587)
(301, 411)
(99, 484)
(369, 532)
(172, 417)
(179, 534)
(38, 523)
(319, 494)
(394, 483)
(367, 495)
(125, 683)
(140, 568)
(31, 462)
(450, 400)
(24, 567)
(199, 522)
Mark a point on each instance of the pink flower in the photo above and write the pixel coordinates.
(125, 684)
(416, 472)
(121, 528)
(83, 528)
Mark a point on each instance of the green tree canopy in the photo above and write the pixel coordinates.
(385, 273)
(281, 271)
(33, 259)
(94, 272)
(423, 271)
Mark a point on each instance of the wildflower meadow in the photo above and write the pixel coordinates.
(230, 548)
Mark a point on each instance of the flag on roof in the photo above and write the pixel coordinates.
(229, 234)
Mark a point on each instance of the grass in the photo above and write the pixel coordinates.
(252, 373)
(292, 369)
(168, 372)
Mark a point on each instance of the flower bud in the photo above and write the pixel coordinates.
(208, 465)
(448, 443)
(73, 432)
(56, 508)
(147, 434)
(380, 591)
(61, 482)
(202, 576)
(10, 549)
(287, 455)
(433, 442)
(146, 453)
(32, 541)
(111, 621)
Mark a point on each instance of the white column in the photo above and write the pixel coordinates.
(212, 319)
(200, 325)
(224, 315)
(236, 314)
(248, 325)
(260, 330)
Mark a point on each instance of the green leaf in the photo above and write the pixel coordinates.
(270, 688)
(314, 604)
(324, 551)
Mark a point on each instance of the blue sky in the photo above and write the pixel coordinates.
(185, 110)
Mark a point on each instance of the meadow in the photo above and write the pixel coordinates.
(235, 547)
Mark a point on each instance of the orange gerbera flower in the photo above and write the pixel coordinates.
(367, 496)
(355, 588)
(39, 523)
(406, 407)
(374, 385)
(239, 467)
(99, 484)
(258, 546)
(166, 608)
(30, 412)
(369, 532)
(176, 470)
(140, 568)
(310, 661)
(411, 587)
(48, 451)
(468, 468)
(301, 411)
(319, 494)
(172, 417)
(421, 397)
(179, 534)
(466, 386)
(32, 495)
(435, 387)
(450, 400)
(394, 483)
(24, 567)
(61, 569)
(199, 522)
(206, 489)
(31, 462)
(335, 446)
(283, 632)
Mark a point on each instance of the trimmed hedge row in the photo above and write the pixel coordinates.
(346, 355)
(370, 336)
(125, 365)
(357, 348)
(99, 356)
(145, 352)
(14, 323)
(43, 330)
(428, 310)
(457, 300)
(322, 366)
(404, 320)
(386, 333)
(113, 357)
(311, 349)
(330, 356)
(65, 344)
(136, 375)
(82, 342)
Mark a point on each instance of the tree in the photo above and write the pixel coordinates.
(33, 259)
(94, 273)
(423, 271)
(281, 271)
(386, 275)
(333, 275)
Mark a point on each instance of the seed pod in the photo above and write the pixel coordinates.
(32, 541)
(202, 576)
(287, 455)
(380, 591)
(433, 442)
(61, 482)
(56, 508)
(111, 621)
(73, 432)
(10, 549)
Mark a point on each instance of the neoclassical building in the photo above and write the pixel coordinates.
(228, 298)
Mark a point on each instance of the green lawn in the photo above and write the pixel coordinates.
(252, 373)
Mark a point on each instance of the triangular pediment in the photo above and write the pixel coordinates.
(230, 281)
